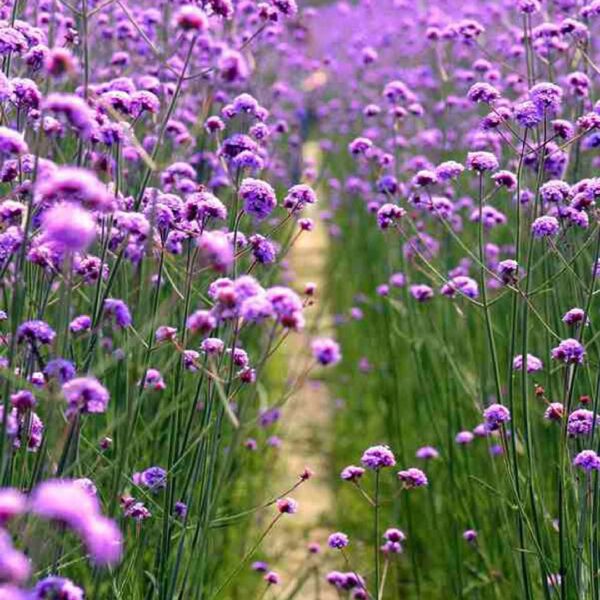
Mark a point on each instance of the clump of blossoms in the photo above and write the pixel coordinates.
(150, 191)
(470, 169)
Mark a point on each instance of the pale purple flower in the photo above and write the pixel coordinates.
(569, 351)
(534, 364)
(412, 478)
(377, 457)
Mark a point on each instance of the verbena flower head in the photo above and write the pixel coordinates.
(427, 453)
(378, 457)
(545, 226)
(35, 332)
(547, 97)
(460, 285)
(483, 92)
(587, 460)
(119, 311)
(533, 363)
(412, 478)
(298, 197)
(495, 416)
(287, 506)
(153, 478)
(57, 587)
(326, 351)
(12, 504)
(574, 316)
(388, 214)
(581, 422)
(464, 437)
(554, 412)
(352, 473)
(338, 540)
(86, 395)
(481, 161)
(470, 535)
(258, 197)
(70, 226)
(569, 351)
(12, 143)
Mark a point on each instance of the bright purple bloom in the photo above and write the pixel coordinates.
(326, 351)
(377, 457)
(495, 416)
(258, 197)
(569, 351)
(338, 540)
(85, 394)
(587, 460)
(545, 226)
(413, 478)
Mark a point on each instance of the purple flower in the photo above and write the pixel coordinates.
(421, 292)
(377, 457)
(545, 226)
(117, 310)
(272, 578)
(258, 197)
(85, 394)
(337, 540)
(15, 567)
(462, 285)
(569, 351)
(534, 364)
(57, 587)
(216, 250)
(397, 280)
(464, 437)
(481, 161)
(508, 270)
(287, 506)
(483, 92)
(495, 416)
(470, 535)
(388, 214)
(78, 186)
(70, 226)
(581, 422)
(326, 351)
(449, 170)
(63, 500)
(287, 306)
(11, 143)
(554, 412)
(546, 96)
(352, 473)
(413, 478)
(80, 323)
(427, 453)
(587, 460)
(298, 197)
(12, 504)
(35, 332)
(153, 478)
(191, 18)
(260, 566)
(264, 251)
(528, 114)
(60, 369)
(574, 316)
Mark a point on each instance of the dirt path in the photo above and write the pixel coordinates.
(306, 437)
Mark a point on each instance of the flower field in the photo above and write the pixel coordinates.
(298, 299)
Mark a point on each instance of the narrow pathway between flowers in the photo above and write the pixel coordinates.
(306, 435)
